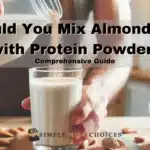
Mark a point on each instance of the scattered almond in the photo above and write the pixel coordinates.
(138, 140)
(111, 143)
(14, 139)
(3, 148)
(5, 133)
(128, 131)
(21, 142)
(21, 129)
(145, 147)
(13, 131)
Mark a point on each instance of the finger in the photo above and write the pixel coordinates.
(82, 110)
(80, 140)
(26, 104)
(1, 8)
(78, 132)
(90, 125)
(87, 143)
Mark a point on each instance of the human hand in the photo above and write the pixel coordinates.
(84, 118)
(1, 8)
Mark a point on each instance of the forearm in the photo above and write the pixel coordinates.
(107, 11)
(109, 79)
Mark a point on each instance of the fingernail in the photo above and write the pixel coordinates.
(79, 141)
(21, 129)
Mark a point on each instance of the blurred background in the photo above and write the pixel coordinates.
(132, 100)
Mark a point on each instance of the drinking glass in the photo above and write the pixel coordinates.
(54, 94)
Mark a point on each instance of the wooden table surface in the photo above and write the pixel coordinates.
(109, 122)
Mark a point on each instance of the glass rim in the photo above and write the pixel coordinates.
(47, 69)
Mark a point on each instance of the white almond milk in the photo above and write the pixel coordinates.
(52, 100)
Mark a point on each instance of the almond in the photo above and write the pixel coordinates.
(5, 133)
(4, 148)
(13, 131)
(21, 129)
(21, 142)
(128, 131)
(145, 147)
(111, 143)
(5, 142)
(138, 140)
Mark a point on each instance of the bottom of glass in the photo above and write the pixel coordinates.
(39, 147)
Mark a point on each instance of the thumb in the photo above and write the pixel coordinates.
(26, 104)
(82, 111)
(1, 8)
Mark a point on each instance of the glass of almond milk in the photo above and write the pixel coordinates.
(54, 94)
